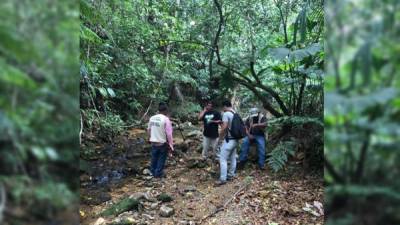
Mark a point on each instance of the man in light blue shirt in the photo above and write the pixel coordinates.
(228, 149)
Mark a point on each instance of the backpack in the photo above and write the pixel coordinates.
(238, 129)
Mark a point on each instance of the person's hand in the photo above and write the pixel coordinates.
(254, 125)
(251, 137)
(170, 150)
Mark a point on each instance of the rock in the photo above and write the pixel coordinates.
(164, 197)
(148, 216)
(190, 188)
(124, 221)
(199, 148)
(149, 198)
(154, 206)
(143, 222)
(146, 172)
(138, 196)
(194, 133)
(319, 206)
(308, 208)
(187, 124)
(121, 206)
(166, 211)
(196, 163)
(184, 222)
(147, 177)
(100, 221)
(294, 210)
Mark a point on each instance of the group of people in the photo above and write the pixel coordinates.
(217, 132)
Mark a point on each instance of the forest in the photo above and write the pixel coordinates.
(361, 112)
(265, 54)
(39, 112)
(80, 80)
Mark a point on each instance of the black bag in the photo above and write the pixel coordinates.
(238, 129)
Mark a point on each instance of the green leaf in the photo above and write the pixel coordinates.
(11, 75)
(111, 92)
(103, 91)
(88, 35)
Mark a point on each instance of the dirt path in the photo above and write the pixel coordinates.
(268, 199)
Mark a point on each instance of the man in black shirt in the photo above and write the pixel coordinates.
(211, 118)
(255, 129)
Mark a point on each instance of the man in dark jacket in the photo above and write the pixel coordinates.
(255, 129)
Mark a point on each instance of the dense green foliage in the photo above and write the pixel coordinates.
(39, 117)
(362, 112)
(137, 53)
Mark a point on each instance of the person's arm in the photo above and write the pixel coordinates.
(201, 114)
(149, 131)
(218, 119)
(248, 129)
(168, 131)
(262, 125)
(224, 127)
(222, 133)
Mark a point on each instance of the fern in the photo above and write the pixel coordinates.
(279, 156)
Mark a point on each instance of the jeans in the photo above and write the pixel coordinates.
(228, 152)
(158, 157)
(207, 144)
(260, 141)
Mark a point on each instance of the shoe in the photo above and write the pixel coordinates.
(220, 182)
(261, 168)
(161, 176)
(240, 165)
(230, 178)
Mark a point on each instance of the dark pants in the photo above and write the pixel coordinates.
(158, 158)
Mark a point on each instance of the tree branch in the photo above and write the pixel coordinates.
(266, 104)
(336, 176)
(363, 155)
(283, 21)
(273, 93)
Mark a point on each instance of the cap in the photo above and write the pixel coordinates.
(254, 112)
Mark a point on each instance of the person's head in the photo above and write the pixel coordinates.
(163, 108)
(209, 105)
(254, 112)
(226, 104)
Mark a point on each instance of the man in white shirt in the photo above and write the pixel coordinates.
(160, 132)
